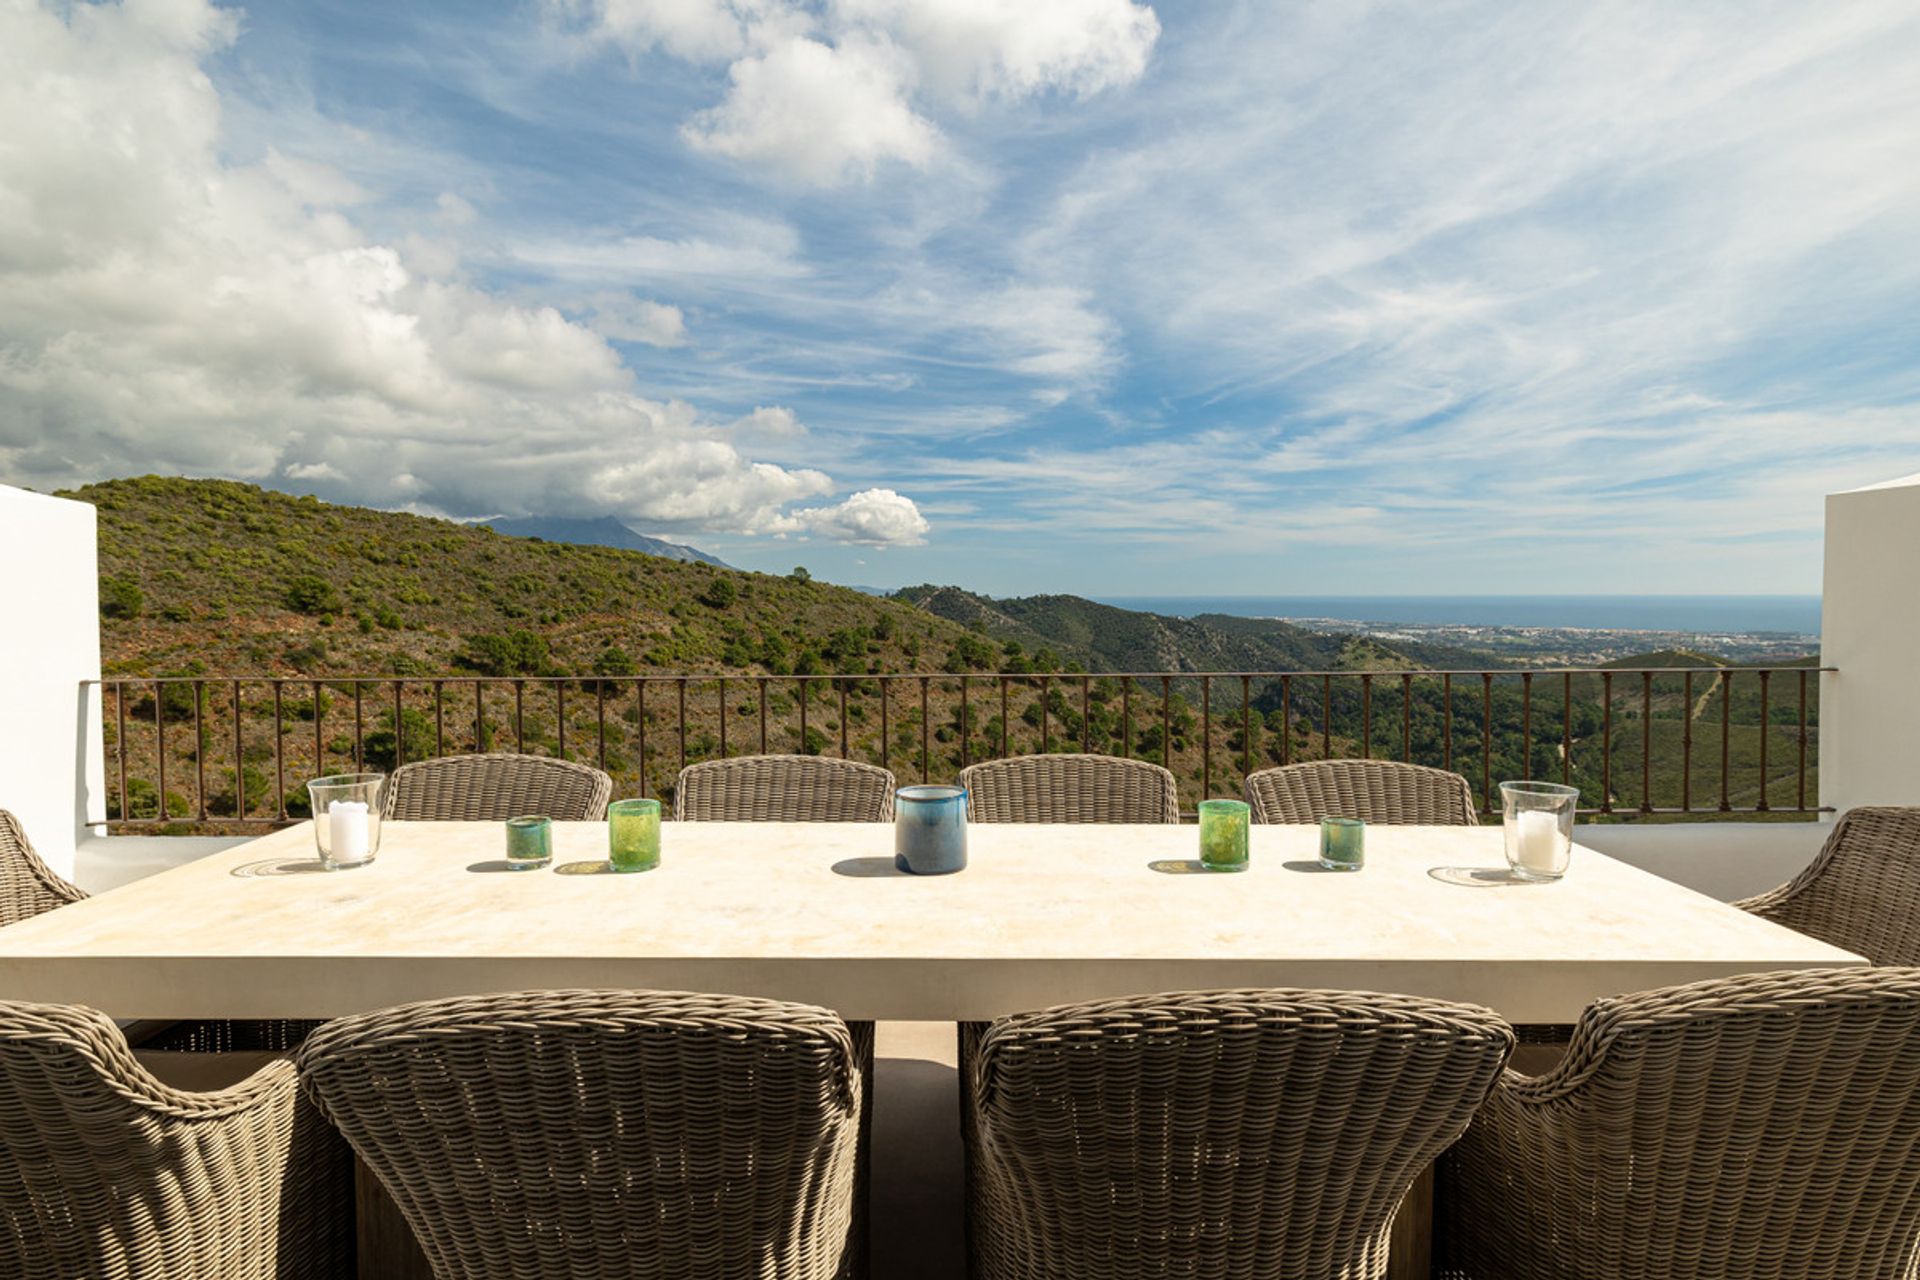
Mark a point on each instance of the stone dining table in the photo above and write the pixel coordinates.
(816, 912)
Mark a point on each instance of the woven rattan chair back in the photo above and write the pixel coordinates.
(1070, 788)
(603, 1134)
(1238, 1134)
(493, 788)
(1862, 892)
(28, 886)
(107, 1172)
(1379, 791)
(783, 789)
(1764, 1127)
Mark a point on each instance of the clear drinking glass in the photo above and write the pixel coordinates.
(1539, 827)
(529, 842)
(346, 818)
(1343, 844)
(1223, 834)
(633, 835)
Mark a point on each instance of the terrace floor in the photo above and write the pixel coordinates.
(916, 1192)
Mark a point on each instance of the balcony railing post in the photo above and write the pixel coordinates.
(1726, 740)
(1606, 743)
(926, 754)
(279, 761)
(1526, 725)
(160, 742)
(1766, 732)
(1646, 742)
(1206, 737)
(1486, 742)
(1686, 743)
(1366, 716)
(1406, 717)
(1800, 784)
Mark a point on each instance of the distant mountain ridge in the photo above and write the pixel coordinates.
(603, 532)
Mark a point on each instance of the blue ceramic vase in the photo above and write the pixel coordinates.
(930, 830)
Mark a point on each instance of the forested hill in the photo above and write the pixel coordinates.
(1108, 638)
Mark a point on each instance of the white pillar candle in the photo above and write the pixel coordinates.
(1538, 842)
(347, 829)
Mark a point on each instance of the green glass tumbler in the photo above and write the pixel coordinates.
(1223, 834)
(529, 843)
(633, 835)
(1343, 844)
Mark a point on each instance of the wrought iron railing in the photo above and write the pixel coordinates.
(1649, 742)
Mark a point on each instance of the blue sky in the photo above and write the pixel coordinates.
(1087, 295)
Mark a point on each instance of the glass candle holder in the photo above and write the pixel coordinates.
(930, 830)
(529, 843)
(1223, 834)
(1343, 844)
(1539, 825)
(346, 818)
(633, 835)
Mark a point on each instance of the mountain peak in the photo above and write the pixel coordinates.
(604, 531)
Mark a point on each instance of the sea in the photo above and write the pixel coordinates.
(1721, 615)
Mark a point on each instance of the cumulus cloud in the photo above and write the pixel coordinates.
(825, 94)
(872, 517)
(164, 308)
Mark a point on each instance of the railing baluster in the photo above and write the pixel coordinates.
(1166, 722)
(359, 730)
(1086, 713)
(886, 744)
(1286, 719)
(1726, 741)
(1566, 731)
(1646, 742)
(966, 726)
(160, 744)
(399, 728)
(1003, 717)
(763, 711)
(200, 745)
(479, 718)
(239, 753)
(1246, 727)
(1366, 715)
(925, 736)
(1206, 737)
(1046, 691)
(520, 716)
(1686, 743)
(279, 753)
(1406, 716)
(1766, 677)
(319, 739)
(560, 718)
(801, 690)
(1526, 726)
(1606, 743)
(680, 694)
(1446, 719)
(439, 721)
(721, 698)
(600, 723)
(1800, 785)
(640, 721)
(843, 717)
(1326, 717)
(120, 739)
(1486, 742)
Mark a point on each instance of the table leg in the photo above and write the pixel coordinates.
(387, 1248)
(1410, 1250)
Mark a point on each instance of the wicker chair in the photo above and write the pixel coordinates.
(602, 1134)
(783, 789)
(1765, 1127)
(105, 1171)
(1070, 788)
(493, 788)
(29, 887)
(1242, 1134)
(1378, 791)
(1863, 890)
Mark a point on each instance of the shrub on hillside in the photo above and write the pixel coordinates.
(517, 653)
(309, 593)
(120, 598)
(720, 593)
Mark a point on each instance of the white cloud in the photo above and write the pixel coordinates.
(162, 308)
(818, 113)
(625, 318)
(872, 517)
(827, 95)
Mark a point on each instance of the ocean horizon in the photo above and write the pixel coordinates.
(1732, 614)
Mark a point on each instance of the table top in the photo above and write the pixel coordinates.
(816, 912)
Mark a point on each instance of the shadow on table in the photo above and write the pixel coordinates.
(869, 868)
(279, 867)
(1481, 877)
(584, 867)
(1312, 867)
(491, 865)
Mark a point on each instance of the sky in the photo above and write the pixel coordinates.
(1089, 296)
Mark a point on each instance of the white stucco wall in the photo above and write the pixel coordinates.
(1870, 630)
(51, 771)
